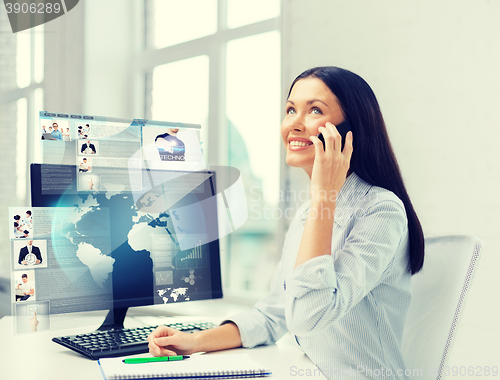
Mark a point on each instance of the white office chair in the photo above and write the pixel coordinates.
(438, 294)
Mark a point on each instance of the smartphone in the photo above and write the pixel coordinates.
(343, 128)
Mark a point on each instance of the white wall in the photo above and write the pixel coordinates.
(435, 68)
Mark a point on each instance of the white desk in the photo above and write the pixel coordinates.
(34, 356)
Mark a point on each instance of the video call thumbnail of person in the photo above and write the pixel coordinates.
(88, 148)
(23, 226)
(27, 287)
(85, 166)
(169, 146)
(30, 254)
(84, 131)
(55, 132)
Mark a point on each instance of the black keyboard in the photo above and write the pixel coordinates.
(109, 343)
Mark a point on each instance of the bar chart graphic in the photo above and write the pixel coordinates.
(193, 258)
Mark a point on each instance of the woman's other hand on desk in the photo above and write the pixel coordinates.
(166, 341)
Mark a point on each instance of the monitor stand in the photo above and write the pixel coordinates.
(114, 320)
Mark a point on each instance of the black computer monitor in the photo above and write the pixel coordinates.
(130, 237)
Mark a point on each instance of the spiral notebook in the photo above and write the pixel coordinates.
(235, 366)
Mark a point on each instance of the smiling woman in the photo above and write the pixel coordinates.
(343, 285)
(310, 106)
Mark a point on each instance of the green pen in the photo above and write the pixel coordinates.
(152, 360)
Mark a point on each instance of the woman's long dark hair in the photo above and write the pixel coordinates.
(373, 158)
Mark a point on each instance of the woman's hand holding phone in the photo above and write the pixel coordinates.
(331, 164)
(328, 175)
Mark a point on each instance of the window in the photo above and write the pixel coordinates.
(189, 102)
(253, 119)
(241, 13)
(21, 97)
(170, 29)
(221, 68)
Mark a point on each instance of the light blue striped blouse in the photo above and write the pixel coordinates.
(347, 310)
